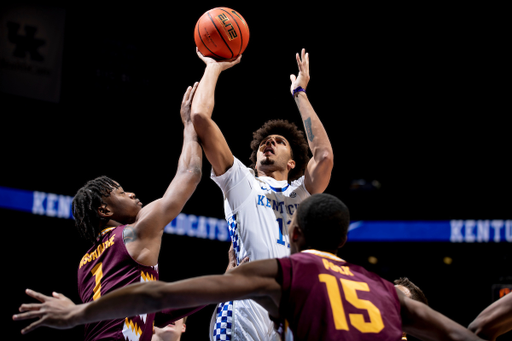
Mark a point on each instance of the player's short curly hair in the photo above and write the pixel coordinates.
(296, 138)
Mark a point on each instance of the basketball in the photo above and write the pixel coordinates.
(221, 33)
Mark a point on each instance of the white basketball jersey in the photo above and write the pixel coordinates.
(258, 211)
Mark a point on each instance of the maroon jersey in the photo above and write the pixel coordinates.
(326, 298)
(108, 266)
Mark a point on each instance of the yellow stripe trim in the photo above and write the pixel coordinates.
(324, 254)
(105, 231)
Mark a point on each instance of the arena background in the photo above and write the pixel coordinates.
(411, 97)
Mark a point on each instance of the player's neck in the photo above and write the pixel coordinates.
(113, 223)
(277, 175)
(332, 252)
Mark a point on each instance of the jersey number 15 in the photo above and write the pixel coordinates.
(350, 289)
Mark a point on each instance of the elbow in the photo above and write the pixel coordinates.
(194, 174)
(473, 327)
(200, 119)
(325, 159)
(196, 116)
(479, 328)
(189, 172)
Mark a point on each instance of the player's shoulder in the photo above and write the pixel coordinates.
(371, 277)
(333, 262)
(310, 255)
(239, 165)
(298, 188)
(298, 182)
(235, 170)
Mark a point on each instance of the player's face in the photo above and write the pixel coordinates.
(124, 205)
(274, 150)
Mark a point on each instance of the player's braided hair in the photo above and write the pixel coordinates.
(298, 144)
(324, 221)
(416, 293)
(86, 203)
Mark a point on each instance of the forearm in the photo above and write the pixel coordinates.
(189, 171)
(210, 136)
(150, 297)
(447, 330)
(425, 323)
(204, 99)
(191, 158)
(317, 136)
(128, 301)
(319, 168)
(253, 280)
(483, 327)
(494, 320)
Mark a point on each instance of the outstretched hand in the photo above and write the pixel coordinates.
(232, 259)
(186, 103)
(223, 64)
(53, 311)
(302, 79)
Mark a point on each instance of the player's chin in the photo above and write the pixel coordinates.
(267, 161)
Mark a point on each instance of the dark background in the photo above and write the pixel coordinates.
(413, 97)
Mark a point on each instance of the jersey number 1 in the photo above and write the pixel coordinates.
(350, 289)
(97, 272)
(281, 240)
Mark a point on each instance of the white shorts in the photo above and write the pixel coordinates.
(248, 321)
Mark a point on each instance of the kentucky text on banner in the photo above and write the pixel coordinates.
(445, 231)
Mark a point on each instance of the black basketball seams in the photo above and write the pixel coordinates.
(239, 30)
(220, 34)
(201, 37)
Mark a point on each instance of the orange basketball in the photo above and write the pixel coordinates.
(221, 33)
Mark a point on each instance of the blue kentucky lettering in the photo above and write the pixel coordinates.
(260, 200)
(277, 206)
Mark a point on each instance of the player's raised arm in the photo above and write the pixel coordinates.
(252, 280)
(423, 322)
(494, 320)
(214, 144)
(318, 171)
(152, 219)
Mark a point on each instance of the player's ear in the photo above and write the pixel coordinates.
(342, 243)
(183, 328)
(296, 234)
(291, 164)
(104, 211)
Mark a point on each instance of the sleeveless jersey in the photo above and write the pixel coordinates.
(258, 211)
(108, 266)
(326, 298)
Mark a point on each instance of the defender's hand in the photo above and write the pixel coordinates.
(187, 102)
(54, 312)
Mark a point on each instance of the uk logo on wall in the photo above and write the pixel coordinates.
(31, 45)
